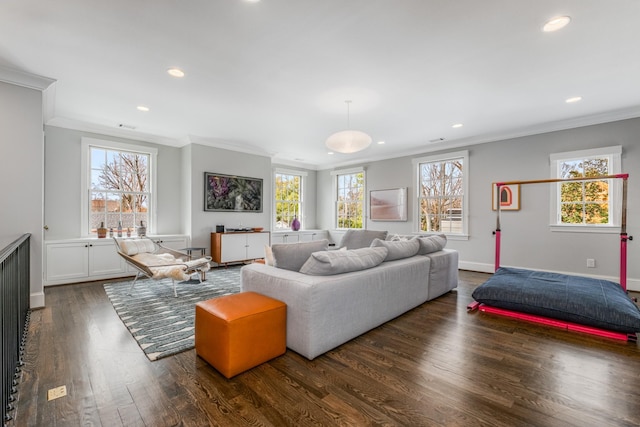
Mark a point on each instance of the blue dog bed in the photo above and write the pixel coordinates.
(586, 301)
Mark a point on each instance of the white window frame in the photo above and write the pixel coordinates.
(303, 175)
(614, 154)
(86, 145)
(464, 155)
(335, 175)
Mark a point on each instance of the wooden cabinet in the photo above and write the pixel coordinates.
(238, 247)
(81, 260)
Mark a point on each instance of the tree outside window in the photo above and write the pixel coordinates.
(350, 200)
(584, 202)
(586, 206)
(288, 199)
(119, 188)
(441, 196)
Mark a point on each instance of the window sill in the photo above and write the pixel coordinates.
(604, 229)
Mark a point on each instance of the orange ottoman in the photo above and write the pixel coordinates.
(236, 332)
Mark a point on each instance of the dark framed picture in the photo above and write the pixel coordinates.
(388, 205)
(232, 193)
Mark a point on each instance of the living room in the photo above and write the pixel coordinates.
(49, 196)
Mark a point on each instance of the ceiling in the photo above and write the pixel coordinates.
(272, 77)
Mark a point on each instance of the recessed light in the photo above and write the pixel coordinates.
(175, 72)
(142, 108)
(573, 99)
(330, 153)
(457, 125)
(554, 24)
(380, 142)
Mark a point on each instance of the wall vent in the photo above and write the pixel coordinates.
(125, 126)
(436, 140)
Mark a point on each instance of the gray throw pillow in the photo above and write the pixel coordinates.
(337, 262)
(291, 256)
(397, 249)
(356, 239)
(429, 244)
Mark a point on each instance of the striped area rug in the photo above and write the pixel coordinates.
(162, 324)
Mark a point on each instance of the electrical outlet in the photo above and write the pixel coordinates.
(591, 263)
(57, 392)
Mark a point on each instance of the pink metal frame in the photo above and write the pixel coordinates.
(554, 322)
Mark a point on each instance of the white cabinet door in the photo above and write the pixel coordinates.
(277, 238)
(104, 259)
(67, 261)
(255, 245)
(284, 238)
(307, 237)
(234, 247)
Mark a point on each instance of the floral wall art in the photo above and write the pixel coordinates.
(232, 193)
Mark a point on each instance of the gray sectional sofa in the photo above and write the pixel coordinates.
(335, 296)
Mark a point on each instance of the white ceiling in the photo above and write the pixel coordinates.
(272, 77)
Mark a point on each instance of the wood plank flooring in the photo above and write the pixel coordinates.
(437, 365)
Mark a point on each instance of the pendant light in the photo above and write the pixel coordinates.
(348, 141)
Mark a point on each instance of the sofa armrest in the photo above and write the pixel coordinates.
(443, 275)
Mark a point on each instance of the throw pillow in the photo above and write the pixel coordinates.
(429, 244)
(337, 262)
(397, 238)
(356, 239)
(397, 249)
(291, 256)
(268, 255)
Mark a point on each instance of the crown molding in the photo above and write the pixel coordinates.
(81, 126)
(24, 79)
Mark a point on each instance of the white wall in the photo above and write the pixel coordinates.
(21, 160)
(527, 240)
(216, 160)
(63, 184)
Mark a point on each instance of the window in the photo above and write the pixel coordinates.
(118, 185)
(586, 204)
(441, 196)
(288, 198)
(349, 192)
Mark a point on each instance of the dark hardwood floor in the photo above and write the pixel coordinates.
(435, 365)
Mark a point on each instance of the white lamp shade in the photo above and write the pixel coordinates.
(348, 141)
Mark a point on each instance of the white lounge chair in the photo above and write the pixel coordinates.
(155, 261)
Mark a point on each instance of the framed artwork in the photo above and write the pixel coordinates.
(232, 193)
(388, 205)
(509, 197)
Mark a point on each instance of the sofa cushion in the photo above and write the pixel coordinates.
(337, 262)
(429, 244)
(291, 256)
(397, 249)
(356, 239)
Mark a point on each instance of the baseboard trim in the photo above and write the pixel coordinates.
(36, 300)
